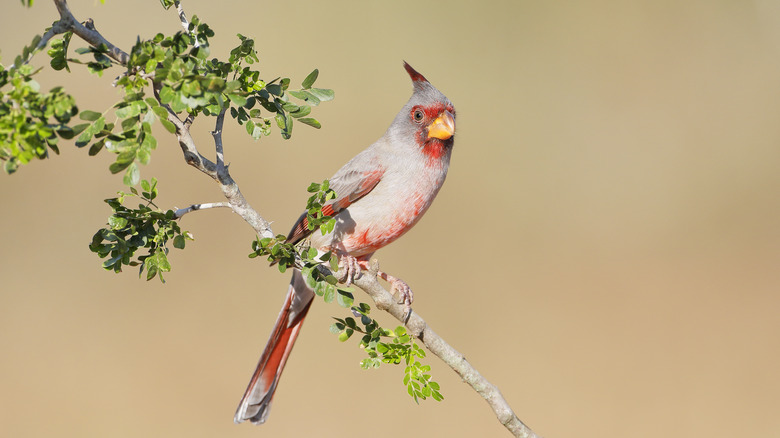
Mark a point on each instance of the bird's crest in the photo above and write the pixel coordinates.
(417, 79)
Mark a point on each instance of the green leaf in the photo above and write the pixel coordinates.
(344, 298)
(160, 112)
(345, 335)
(301, 111)
(132, 175)
(309, 81)
(118, 166)
(237, 99)
(323, 94)
(89, 115)
(311, 122)
(169, 126)
(167, 95)
(116, 222)
(179, 242)
(96, 147)
(85, 137)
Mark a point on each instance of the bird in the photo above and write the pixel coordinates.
(381, 194)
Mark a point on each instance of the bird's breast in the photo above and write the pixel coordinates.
(390, 210)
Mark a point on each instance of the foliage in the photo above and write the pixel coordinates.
(31, 122)
(400, 348)
(185, 79)
(132, 229)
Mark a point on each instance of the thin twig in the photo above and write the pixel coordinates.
(195, 207)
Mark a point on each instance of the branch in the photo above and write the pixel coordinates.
(195, 207)
(421, 330)
(88, 34)
(230, 189)
(186, 142)
(217, 134)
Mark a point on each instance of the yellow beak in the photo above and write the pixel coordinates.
(443, 127)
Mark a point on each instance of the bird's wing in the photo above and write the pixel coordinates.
(350, 184)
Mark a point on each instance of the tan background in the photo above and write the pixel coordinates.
(605, 249)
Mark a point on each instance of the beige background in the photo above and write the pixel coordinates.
(605, 249)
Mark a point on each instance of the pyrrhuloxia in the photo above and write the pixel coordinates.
(381, 193)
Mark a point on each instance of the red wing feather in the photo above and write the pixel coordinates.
(349, 188)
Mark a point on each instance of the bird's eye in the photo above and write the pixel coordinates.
(418, 116)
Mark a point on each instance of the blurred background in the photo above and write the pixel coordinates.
(605, 249)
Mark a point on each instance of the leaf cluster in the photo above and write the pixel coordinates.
(185, 79)
(399, 348)
(132, 229)
(315, 217)
(31, 122)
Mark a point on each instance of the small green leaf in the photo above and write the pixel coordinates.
(323, 94)
(237, 99)
(344, 298)
(117, 222)
(160, 112)
(132, 175)
(309, 81)
(169, 126)
(167, 95)
(330, 293)
(178, 242)
(85, 137)
(311, 122)
(89, 115)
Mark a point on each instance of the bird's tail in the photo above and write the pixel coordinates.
(256, 402)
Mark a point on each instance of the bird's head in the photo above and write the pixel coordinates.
(429, 117)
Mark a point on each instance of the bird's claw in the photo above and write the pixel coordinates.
(350, 267)
(405, 292)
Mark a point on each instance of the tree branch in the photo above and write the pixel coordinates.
(421, 330)
(195, 207)
(235, 200)
(217, 134)
(90, 35)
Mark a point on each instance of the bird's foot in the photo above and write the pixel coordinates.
(403, 289)
(350, 267)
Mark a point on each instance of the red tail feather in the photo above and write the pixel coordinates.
(256, 403)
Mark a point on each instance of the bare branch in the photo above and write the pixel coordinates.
(195, 207)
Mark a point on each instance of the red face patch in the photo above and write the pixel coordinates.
(433, 148)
